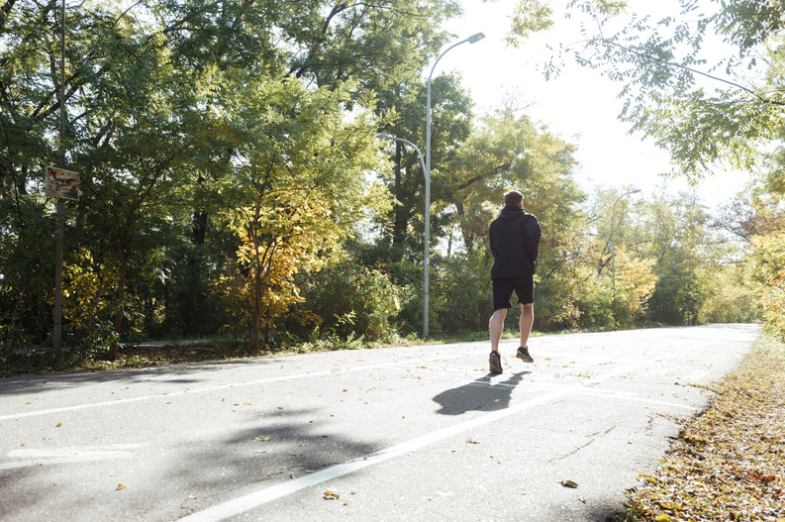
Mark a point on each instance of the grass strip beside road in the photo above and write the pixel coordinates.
(728, 463)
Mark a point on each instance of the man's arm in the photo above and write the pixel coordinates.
(533, 234)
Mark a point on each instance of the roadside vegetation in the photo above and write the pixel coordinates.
(233, 185)
(728, 462)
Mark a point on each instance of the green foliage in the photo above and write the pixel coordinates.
(229, 161)
(528, 16)
(508, 151)
(702, 109)
(171, 106)
(352, 300)
(768, 262)
(730, 298)
(461, 293)
(89, 344)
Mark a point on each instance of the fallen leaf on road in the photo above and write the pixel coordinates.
(263, 438)
(59, 424)
(472, 441)
(119, 487)
(329, 495)
(569, 484)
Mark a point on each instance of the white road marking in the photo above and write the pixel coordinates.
(610, 394)
(36, 457)
(266, 495)
(208, 389)
(626, 397)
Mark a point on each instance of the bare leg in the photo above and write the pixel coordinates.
(496, 325)
(527, 320)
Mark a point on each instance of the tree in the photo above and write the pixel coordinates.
(301, 187)
(157, 98)
(508, 151)
(703, 109)
(451, 117)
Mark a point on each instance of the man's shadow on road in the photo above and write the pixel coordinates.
(480, 395)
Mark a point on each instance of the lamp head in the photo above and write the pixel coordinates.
(476, 38)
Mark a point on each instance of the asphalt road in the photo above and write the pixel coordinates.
(418, 433)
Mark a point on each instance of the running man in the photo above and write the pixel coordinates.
(515, 238)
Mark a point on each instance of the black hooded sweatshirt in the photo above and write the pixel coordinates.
(515, 237)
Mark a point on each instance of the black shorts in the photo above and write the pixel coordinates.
(502, 291)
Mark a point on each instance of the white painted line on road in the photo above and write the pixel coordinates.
(595, 393)
(208, 389)
(37, 457)
(626, 397)
(266, 495)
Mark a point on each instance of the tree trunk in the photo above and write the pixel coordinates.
(400, 222)
(468, 238)
(114, 348)
(256, 321)
(199, 228)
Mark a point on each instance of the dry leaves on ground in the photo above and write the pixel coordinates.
(729, 462)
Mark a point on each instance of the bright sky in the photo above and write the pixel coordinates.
(580, 106)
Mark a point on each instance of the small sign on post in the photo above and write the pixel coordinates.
(61, 183)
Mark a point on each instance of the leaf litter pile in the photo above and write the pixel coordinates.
(729, 462)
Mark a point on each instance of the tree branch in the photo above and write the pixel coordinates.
(694, 71)
(496, 170)
(4, 12)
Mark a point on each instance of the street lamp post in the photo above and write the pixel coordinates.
(472, 40)
(57, 333)
(613, 245)
(426, 254)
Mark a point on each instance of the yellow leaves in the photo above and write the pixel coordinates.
(59, 425)
(331, 495)
(670, 507)
(119, 487)
(663, 518)
(725, 464)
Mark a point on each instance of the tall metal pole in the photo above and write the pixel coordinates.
(427, 247)
(472, 39)
(613, 244)
(60, 202)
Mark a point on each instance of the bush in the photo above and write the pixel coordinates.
(351, 299)
(462, 294)
(769, 260)
(729, 299)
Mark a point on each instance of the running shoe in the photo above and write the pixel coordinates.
(523, 354)
(495, 363)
